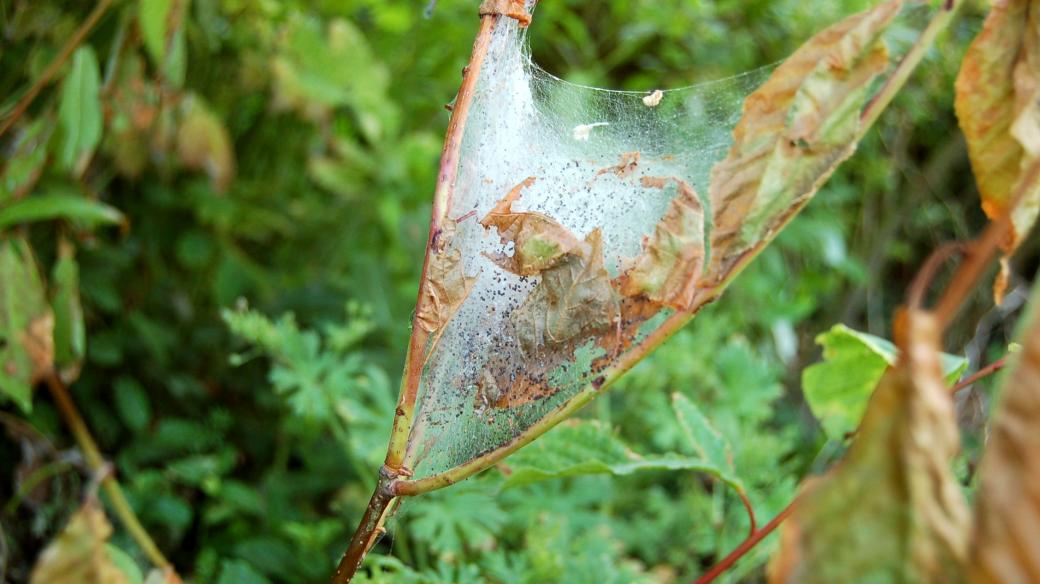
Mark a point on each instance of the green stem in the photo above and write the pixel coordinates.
(96, 462)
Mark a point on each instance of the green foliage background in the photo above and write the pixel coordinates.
(277, 157)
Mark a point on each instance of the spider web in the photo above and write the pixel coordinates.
(588, 159)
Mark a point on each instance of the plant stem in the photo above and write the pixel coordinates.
(96, 462)
(54, 66)
(746, 546)
(368, 531)
(980, 374)
(981, 252)
(449, 164)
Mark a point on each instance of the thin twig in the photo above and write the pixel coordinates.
(52, 69)
(750, 512)
(981, 373)
(923, 280)
(746, 546)
(97, 463)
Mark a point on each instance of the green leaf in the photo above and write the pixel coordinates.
(79, 114)
(25, 161)
(707, 441)
(70, 337)
(132, 403)
(577, 448)
(59, 204)
(452, 519)
(125, 564)
(26, 349)
(239, 572)
(838, 388)
(165, 45)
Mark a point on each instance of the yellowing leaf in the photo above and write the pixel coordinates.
(446, 285)
(892, 511)
(204, 144)
(795, 130)
(78, 554)
(1007, 514)
(671, 262)
(998, 106)
(539, 241)
(26, 323)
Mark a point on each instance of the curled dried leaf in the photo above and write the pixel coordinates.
(573, 299)
(1007, 511)
(671, 262)
(998, 106)
(795, 130)
(446, 285)
(539, 242)
(892, 508)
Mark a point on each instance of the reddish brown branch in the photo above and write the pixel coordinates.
(980, 374)
(741, 550)
(980, 254)
(925, 276)
(52, 69)
(750, 513)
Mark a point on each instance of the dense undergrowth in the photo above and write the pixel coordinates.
(245, 322)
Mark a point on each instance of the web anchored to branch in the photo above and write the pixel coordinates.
(580, 220)
(548, 266)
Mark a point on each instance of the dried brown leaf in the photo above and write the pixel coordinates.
(539, 242)
(998, 106)
(1007, 513)
(628, 162)
(574, 298)
(892, 509)
(671, 262)
(795, 130)
(446, 284)
(78, 554)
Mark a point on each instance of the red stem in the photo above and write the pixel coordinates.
(746, 546)
(981, 373)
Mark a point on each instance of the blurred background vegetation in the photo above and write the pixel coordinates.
(280, 155)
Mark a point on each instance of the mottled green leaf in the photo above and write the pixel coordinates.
(577, 448)
(79, 113)
(998, 107)
(795, 131)
(838, 388)
(25, 161)
(705, 439)
(26, 323)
